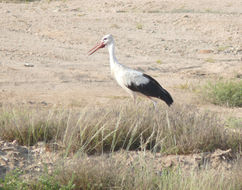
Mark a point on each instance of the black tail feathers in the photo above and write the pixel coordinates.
(165, 96)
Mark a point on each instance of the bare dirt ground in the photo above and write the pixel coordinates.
(177, 42)
(44, 45)
(32, 160)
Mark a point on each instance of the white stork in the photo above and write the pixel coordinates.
(134, 82)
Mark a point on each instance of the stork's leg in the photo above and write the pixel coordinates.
(131, 93)
(153, 101)
(134, 97)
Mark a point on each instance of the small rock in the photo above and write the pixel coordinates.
(28, 65)
(7, 148)
(6, 144)
(44, 103)
(31, 102)
(4, 158)
(56, 10)
(14, 142)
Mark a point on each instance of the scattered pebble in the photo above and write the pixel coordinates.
(44, 103)
(28, 65)
(56, 10)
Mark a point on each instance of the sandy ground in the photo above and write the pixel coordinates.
(176, 42)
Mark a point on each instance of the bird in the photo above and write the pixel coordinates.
(132, 81)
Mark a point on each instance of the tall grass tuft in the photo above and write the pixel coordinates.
(175, 130)
(25, 127)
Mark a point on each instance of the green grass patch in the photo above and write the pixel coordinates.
(224, 92)
(222, 48)
(112, 173)
(159, 61)
(139, 26)
(14, 181)
(235, 123)
(210, 60)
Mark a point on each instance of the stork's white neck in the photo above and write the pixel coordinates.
(112, 56)
(114, 64)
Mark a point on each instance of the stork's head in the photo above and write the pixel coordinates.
(106, 40)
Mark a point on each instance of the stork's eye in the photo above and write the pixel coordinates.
(104, 38)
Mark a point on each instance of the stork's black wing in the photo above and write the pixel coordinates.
(150, 87)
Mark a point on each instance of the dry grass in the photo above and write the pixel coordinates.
(108, 172)
(175, 130)
(115, 174)
(112, 172)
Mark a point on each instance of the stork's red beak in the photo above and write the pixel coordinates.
(96, 47)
